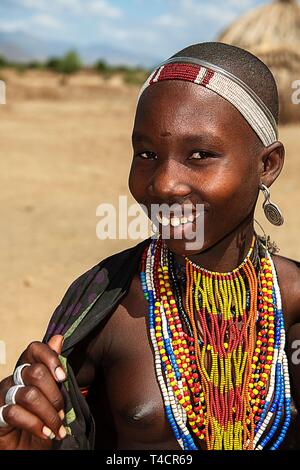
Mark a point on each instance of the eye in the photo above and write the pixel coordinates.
(200, 155)
(147, 155)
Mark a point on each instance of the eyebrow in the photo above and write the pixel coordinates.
(208, 138)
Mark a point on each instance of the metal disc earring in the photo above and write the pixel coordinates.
(271, 210)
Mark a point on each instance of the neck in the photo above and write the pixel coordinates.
(228, 253)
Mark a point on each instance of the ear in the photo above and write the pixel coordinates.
(272, 160)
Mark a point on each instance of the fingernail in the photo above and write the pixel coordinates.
(60, 374)
(47, 432)
(62, 432)
(61, 414)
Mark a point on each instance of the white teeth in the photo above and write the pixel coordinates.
(165, 221)
(175, 222)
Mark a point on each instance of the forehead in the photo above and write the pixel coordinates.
(177, 105)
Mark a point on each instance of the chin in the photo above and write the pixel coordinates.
(184, 247)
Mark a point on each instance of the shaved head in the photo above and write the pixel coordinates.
(243, 65)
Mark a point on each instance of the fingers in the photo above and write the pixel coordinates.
(33, 400)
(5, 385)
(18, 417)
(56, 342)
(46, 410)
(39, 376)
(38, 352)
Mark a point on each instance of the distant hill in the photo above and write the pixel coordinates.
(23, 47)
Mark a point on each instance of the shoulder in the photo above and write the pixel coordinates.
(288, 271)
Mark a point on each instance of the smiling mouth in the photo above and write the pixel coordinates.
(174, 221)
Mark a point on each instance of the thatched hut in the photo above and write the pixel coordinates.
(272, 32)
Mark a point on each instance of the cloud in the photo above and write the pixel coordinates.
(46, 21)
(194, 15)
(33, 4)
(42, 20)
(132, 36)
(103, 8)
(76, 7)
(241, 4)
(12, 26)
(212, 11)
(170, 21)
(109, 31)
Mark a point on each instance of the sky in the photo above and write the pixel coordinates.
(156, 27)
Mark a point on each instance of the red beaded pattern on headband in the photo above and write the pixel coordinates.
(188, 72)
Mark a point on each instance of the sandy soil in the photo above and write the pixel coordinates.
(64, 150)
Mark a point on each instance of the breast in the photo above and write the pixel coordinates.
(141, 414)
(136, 401)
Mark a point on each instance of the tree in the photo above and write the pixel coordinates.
(70, 63)
(3, 61)
(104, 69)
(53, 63)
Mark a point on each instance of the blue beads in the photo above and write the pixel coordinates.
(281, 403)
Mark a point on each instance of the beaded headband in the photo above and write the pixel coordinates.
(225, 84)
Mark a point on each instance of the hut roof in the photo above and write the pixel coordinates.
(272, 33)
(274, 27)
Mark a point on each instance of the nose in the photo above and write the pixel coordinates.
(169, 182)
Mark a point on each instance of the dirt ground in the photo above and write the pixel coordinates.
(64, 150)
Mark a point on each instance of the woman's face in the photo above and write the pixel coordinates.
(193, 147)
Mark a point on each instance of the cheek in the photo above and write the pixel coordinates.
(139, 178)
(230, 189)
(135, 183)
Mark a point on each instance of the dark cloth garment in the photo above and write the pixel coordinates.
(89, 299)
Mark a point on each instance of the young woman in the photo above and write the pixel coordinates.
(169, 345)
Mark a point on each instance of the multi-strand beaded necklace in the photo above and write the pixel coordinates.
(218, 341)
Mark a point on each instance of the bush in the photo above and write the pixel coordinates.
(35, 64)
(3, 61)
(131, 75)
(68, 64)
(135, 76)
(53, 63)
(103, 68)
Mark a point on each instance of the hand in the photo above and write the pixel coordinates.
(37, 416)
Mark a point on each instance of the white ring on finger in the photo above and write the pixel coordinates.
(17, 377)
(3, 423)
(10, 397)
